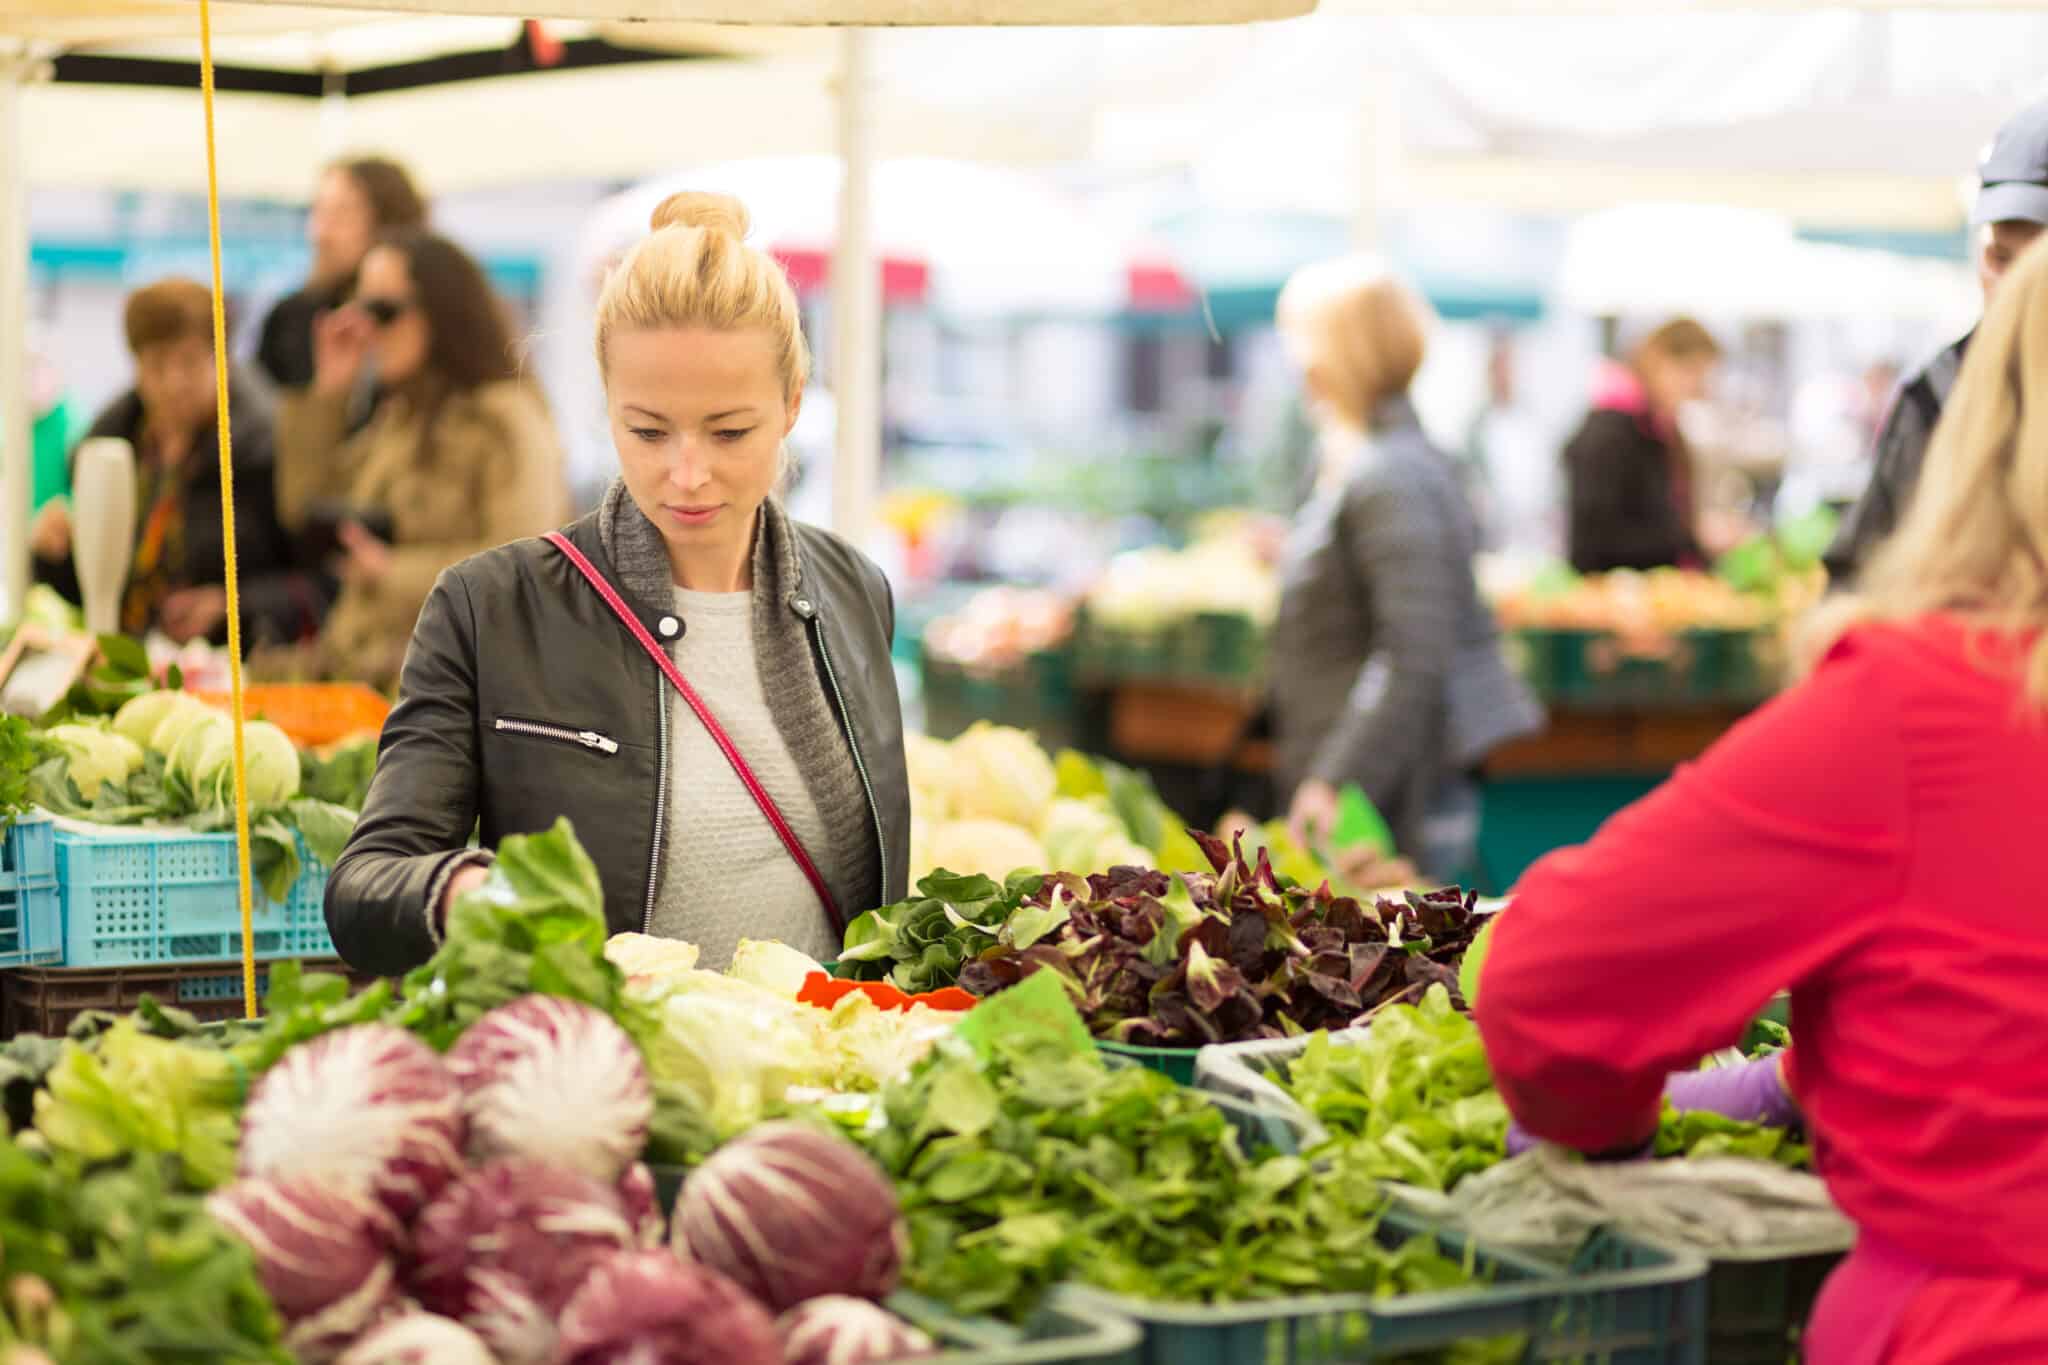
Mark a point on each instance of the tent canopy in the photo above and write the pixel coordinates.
(76, 22)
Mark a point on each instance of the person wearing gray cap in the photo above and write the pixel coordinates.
(2011, 210)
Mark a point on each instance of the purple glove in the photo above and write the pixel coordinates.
(1753, 1092)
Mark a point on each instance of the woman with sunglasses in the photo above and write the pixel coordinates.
(460, 456)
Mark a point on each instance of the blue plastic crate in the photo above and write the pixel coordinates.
(145, 896)
(31, 922)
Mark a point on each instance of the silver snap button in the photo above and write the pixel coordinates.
(803, 604)
(669, 626)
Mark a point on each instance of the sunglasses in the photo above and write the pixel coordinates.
(383, 312)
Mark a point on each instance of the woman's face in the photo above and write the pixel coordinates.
(176, 383)
(385, 293)
(1674, 382)
(340, 227)
(699, 417)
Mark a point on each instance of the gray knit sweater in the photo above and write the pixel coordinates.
(717, 915)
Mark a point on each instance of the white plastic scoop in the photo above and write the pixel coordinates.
(103, 527)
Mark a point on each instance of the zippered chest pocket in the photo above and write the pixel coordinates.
(589, 740)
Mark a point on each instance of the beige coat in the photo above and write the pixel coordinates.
(489, 471)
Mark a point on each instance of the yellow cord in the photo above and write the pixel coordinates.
(227, 518)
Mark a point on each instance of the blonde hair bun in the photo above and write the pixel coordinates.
(715, 213)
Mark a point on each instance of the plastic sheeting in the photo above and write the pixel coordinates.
(1547, 1201)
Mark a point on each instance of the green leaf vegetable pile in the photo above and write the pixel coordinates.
(1413, 1100)
(1031, 1160)
(111, 1263)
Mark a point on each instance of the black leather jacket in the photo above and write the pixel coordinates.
(1895, 472)
(516, 634)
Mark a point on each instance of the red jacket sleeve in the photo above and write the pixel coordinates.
(1750, 871)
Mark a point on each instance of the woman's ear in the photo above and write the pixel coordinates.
(796, 405)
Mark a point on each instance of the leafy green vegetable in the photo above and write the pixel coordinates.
(298, 1007)
(24, 1062)
(1701, 1133)
(535, 925)
(128, 1091)
(113, 1265)
(342, 776)
(119, 676)
(21, 752)
(1041, 1163)
(920, 944)
(1411, 1099)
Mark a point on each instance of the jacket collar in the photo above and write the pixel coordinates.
(640, 560)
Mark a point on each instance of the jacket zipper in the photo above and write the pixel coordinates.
(589, 739)
(660, 800)
(860, 764)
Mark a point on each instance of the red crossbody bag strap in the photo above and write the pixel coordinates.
(724, 742)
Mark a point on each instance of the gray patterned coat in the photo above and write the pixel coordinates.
(1387, 668)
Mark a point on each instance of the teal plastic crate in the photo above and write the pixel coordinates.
(31, 920)
(144, 896)
(1176, 1063)
(1066, 1331)
(1758, 1302)
(1623, 1303)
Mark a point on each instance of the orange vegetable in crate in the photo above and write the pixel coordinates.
(825, 992)
(313, 714)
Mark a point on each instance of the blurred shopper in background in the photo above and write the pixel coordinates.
(460, 456)
(356, 202)
(1633, 488)
(1391, 674)
(2011, 209)
(171, 418)
(1869, 841)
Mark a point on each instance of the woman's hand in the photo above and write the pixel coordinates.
(1313, 814)
(368, 559)
(50, 537)
(341, 348)
(463, 882)
(194, 613)
(1365, 869)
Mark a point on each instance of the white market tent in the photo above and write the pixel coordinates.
(331, 40)
(1860, 115)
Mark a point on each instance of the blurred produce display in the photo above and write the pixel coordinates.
(1667, 638)
(1000, 627)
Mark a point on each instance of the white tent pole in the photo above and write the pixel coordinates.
(1380, 171)
(856, 302)
(17, 423)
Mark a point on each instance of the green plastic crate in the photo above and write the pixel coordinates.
(1758, 1302)
(1035, 694)
(1113, 653)
(1067, 1330)
(1222, 647)
(1175, 1063)
(1621, 1303)
(1731, 667)
(1624, 1303)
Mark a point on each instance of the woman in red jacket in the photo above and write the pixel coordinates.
(1873, 840)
